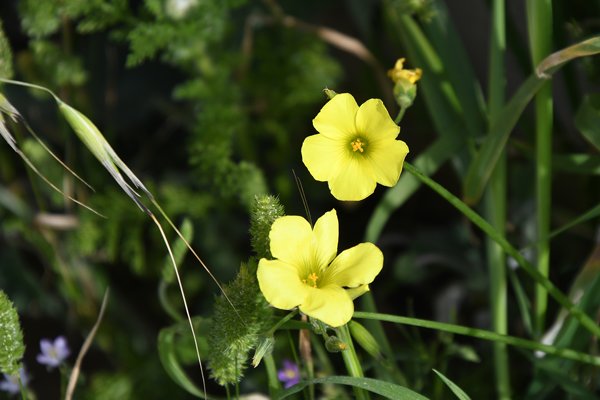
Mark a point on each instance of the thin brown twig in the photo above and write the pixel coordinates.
(333, 37)
(86, 345)
(337, 39)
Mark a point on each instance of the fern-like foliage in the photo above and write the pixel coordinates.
(234, 334)
(11, 337)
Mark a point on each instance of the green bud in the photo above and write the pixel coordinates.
(333, 344)
(265, 210)
(329, 93)
(265, 348)
(405, 93)
(318, 327)
(11, 337)
(364, 338)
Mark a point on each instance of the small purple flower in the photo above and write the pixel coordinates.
(10, 384)
(289, 374)
(53, 353)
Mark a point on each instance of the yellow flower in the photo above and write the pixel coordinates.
(307, 274)
(356, 148)
(398, 73)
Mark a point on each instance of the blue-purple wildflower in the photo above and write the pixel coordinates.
(289, 375)
(53, 353)
(10, 383)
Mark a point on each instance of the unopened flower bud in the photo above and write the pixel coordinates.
(364, 338)
(333, 344)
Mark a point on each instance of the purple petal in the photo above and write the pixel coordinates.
(45, 346)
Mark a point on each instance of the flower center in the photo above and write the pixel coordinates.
(290, 373)
(357, 145)
(311, 280)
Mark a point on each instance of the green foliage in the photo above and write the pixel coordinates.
(587, 119)
(235, 332)
(11, 337)
(265, 210)
(6, 67)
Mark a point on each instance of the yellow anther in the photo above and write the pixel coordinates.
(357, 145)
(312, 278)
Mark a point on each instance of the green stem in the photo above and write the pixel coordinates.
(484, 335)
(400, 115)
(274, 386)
(489, 230)
(351, 360)
(539, 18)
(496, 204)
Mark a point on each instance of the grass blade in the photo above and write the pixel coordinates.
(501, 127)
(458, 392)
(382, 388)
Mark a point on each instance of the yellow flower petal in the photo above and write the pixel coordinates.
(322, 156)
(357, 291)
(386, 160)
(290, 237)
(374, 122)
(336, 118)
(356, 266)
(326, 233)
(280, 284)
(354, 182)
(330, 304)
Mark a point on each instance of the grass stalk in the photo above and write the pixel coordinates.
(585, 320)
(495, 204)
(351, 361)
(539, 24)
(568, 354)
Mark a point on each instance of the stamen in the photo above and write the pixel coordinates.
(357, 145)
(312, 278)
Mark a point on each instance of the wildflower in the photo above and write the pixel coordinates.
(307, 274)
(356, 148)
(289, 375)
(10, 384)
(398, 73)
(53, 353)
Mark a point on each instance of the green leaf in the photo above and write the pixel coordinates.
(587, 119)
(482, 166)
(11, 337)
(169, 350)
(458, 392)
(387, 389)
(501, 127)
(179, 249)
(6, 59)
(482, 334)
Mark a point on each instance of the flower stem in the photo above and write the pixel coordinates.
(274, 386)
(400, 115)
(489, 230)
(351, 360)
(495, 209)
(539, 24)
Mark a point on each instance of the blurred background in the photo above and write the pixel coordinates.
(208, 102)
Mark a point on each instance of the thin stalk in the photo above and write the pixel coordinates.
(489, 230)
(496, 203)
(484, 335)
(351, 360)
(539, 24)
(274, 387)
